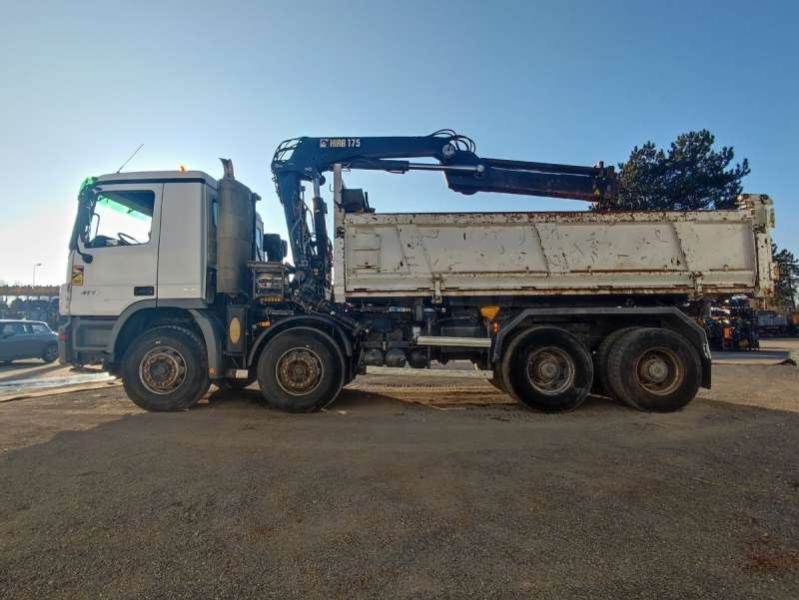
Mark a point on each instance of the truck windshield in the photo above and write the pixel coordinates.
(120, 218)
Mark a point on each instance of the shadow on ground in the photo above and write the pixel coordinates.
(27, 370)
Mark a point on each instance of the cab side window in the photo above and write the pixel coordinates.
(120, 218)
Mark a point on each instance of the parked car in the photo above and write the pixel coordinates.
(27, 339)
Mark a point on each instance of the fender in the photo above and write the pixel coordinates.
(120, 322)
(213, 333)
(313, 321)
(672, 316)
(209, 325)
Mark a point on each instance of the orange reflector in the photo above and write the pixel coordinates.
(489, 312)
(234, 330)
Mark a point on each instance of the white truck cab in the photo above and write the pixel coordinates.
(147, 249)
(138, 241)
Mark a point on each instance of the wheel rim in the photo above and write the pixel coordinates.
(550, 370)
(299, 371)
(162, 370)
(659, 371)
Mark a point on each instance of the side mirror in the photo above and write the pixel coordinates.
(275, 248)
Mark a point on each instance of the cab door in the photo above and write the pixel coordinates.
(122, 240)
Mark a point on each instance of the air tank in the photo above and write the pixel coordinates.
(395, 358)
(235, 233)
(373, 357)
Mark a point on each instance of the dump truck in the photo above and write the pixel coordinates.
(173, 284)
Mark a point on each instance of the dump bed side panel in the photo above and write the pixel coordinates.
(462, 254)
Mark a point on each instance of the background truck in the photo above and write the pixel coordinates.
(774, 323)
(173, 284)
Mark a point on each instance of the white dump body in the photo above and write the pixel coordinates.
(436, 255)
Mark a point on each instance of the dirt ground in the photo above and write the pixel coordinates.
(404, 489)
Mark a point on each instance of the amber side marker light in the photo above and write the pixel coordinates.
(489, 312)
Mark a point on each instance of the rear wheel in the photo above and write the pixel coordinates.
(497, 383)
(654, 369)
(300, 370)
(548, 368)
(50, 353)
(601, 360)
(166, 369)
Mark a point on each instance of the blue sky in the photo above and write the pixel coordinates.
(84, 84)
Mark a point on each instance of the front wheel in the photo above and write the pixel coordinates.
(166, 369)
(300, 370)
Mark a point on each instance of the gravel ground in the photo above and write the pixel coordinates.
(403, 490)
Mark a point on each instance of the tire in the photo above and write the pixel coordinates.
(602, 386)
(166, 369)
(495, 381)
(230, 384)
(499, 382)
(654, 369)
(50, 353)
(548, 368)
(300, 370)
